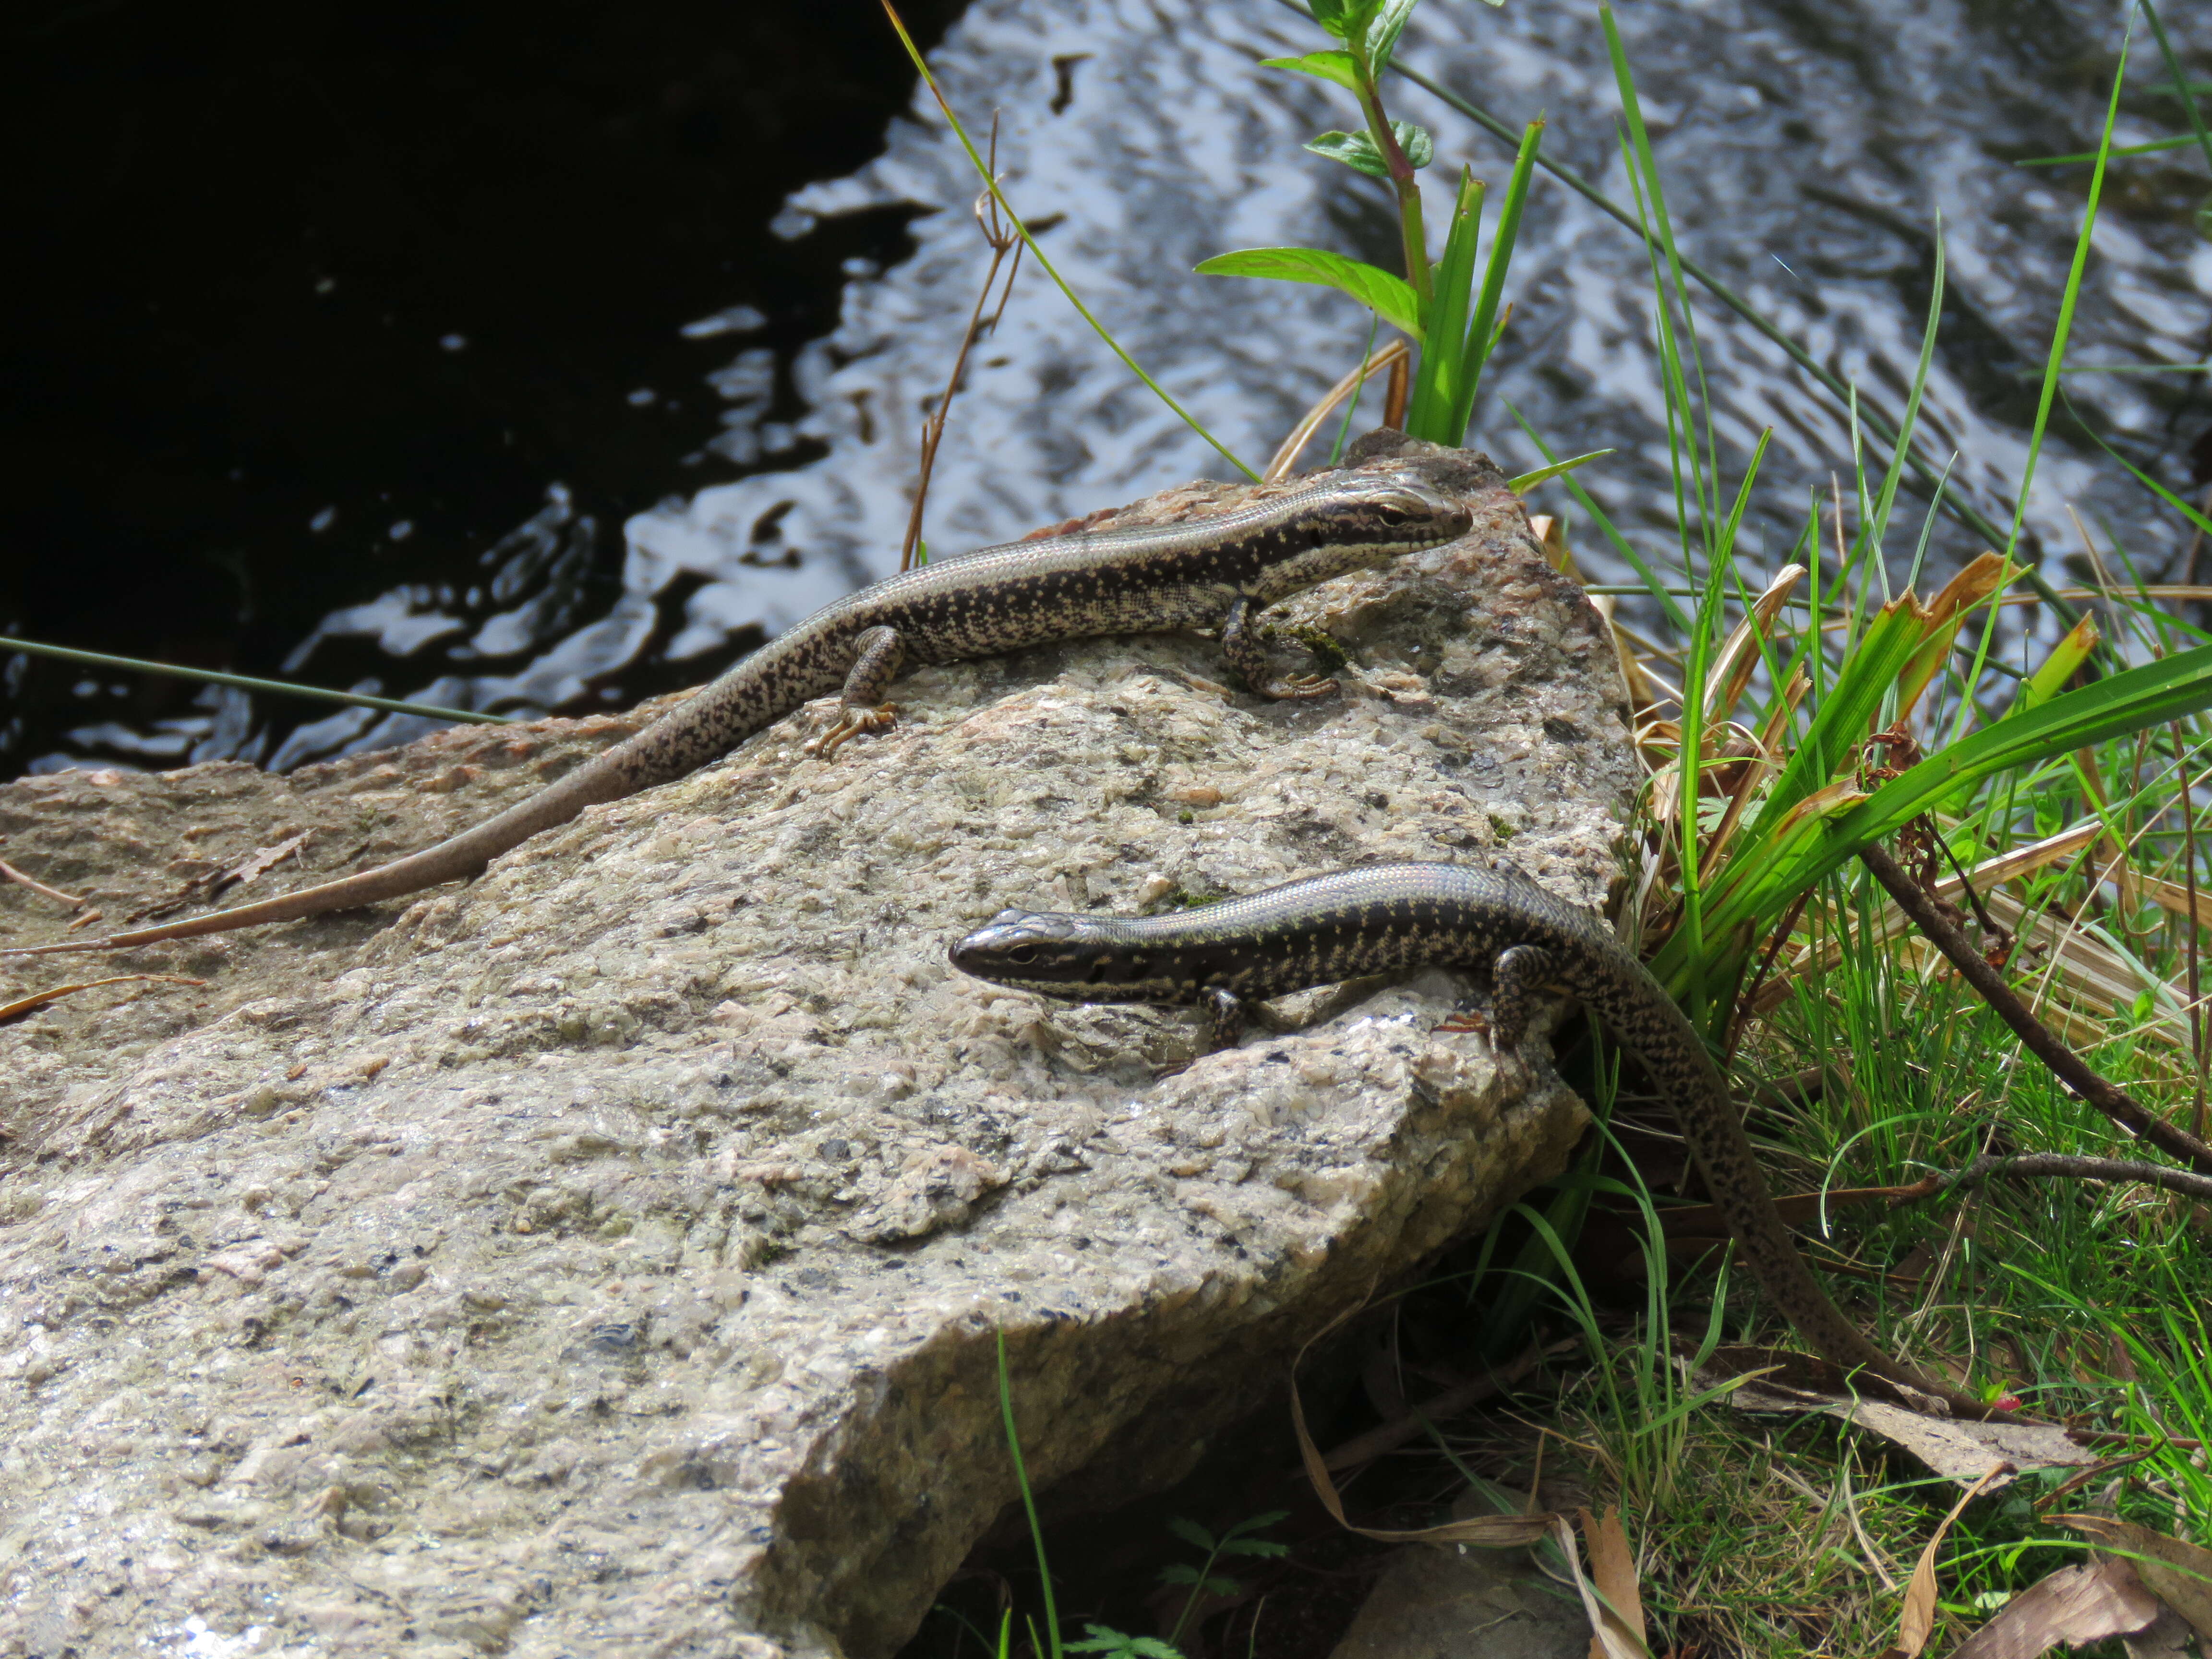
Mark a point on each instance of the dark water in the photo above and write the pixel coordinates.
(436, 275)
(346, 337)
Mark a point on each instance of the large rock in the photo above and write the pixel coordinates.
(606, 1257)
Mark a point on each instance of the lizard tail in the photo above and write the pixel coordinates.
(459, 857)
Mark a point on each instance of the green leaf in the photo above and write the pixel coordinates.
(2068, 655)
(1182, 1573)
(1337, 16)
(1337, 66)
(1528, 481)
(1356, 150)
(1191, 1534)
(1264, 1547)
(1115, 1645)
(1391, 297)
(1384, 28)
(1259, 1522)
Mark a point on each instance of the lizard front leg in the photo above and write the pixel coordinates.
(879, 653)
(1241, 643)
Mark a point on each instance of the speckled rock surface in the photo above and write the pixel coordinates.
(604, 1259)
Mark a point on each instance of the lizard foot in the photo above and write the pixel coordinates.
(1299, 687)
(851, 723)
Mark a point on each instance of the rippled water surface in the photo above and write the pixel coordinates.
(1812, 153)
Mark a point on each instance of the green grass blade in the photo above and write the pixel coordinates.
(248, 683)
(1029, 1502)
(2137, 368)
(983, 171)
(1481, 333)
(1359, 387)
(2181, 141)
(1876, 523)
(1809, 848)
(2180, 80)
(1435, 384)
(1884, 433)
(2066, 303)
(1528, 481)
(2176, 503)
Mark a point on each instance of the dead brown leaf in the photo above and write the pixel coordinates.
(1960, 1450)
(1612, 1566)
(2178, 1574)
(1494, 1531)
(2166, 1637)
(2088, 1601)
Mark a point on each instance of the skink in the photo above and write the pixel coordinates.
(1387, 918)
(1219, 571)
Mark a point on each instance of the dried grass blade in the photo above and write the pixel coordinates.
(1918, 1622)
(23, 1007)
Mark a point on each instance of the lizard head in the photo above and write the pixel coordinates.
(1086, 958)
(1355, 522)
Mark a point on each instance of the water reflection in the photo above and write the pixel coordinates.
(1810, 153)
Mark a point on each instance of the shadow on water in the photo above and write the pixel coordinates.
(457, 354)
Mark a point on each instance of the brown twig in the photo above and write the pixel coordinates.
(1399, 392)
(2061, 1166)
(1004, 239)
(1389, 1437)
(9, 873)
(2036, 1037)
(1746, 1005)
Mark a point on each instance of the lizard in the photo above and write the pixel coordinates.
(1386, 918)
(1218, 571)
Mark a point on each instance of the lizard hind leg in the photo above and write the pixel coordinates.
(879, 653)
(1520, 972)
(1241, 644)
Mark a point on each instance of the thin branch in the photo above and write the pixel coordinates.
(2064, 1167)
(1003, 239)
(1412, 1422)
(2036, 1037)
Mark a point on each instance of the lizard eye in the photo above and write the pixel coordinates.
(1022, 956)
